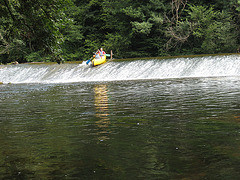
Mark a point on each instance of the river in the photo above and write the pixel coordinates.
(144, 119)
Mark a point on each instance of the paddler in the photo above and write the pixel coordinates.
(97, 54)
(102, 52)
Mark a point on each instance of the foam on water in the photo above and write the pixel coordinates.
(217, 66)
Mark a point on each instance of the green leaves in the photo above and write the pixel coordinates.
(117, 43)
(238, 8)
(74, 29)
(135, 13)
(36, 23)
(143, 27)
(214, 28)
(204, 29)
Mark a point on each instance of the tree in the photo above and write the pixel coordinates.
(33, 30)
(136, 26)
(35, 24)
(178, 31)
(214, 30)
(86, 32)
(204, 30)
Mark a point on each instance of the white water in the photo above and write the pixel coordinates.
(217, 66)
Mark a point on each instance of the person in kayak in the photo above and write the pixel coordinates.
(102, 52)
(97, 54)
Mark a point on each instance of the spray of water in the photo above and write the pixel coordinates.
(216, 66)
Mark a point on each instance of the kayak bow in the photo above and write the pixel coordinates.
(98, 61)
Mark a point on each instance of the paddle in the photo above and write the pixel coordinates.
(88, 61)
(107, 55)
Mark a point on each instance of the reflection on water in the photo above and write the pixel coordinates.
(237, 118)
(102, 112)
(164, 129)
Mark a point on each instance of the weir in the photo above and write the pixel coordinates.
(211, 66)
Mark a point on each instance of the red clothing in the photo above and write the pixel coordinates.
(102, 52)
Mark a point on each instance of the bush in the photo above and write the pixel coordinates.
(34, 57)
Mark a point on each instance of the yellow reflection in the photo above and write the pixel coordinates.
(102, 112)
(237, 118)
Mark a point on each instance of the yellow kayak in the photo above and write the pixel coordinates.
(101, 60)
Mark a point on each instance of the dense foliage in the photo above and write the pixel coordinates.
(53, 30)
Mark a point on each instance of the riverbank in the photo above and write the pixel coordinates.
(133, 59)
(158, 57)
(175, 57)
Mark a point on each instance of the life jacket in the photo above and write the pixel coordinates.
(98, 55)
(102, 53)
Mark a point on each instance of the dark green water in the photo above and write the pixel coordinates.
(162, 129)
